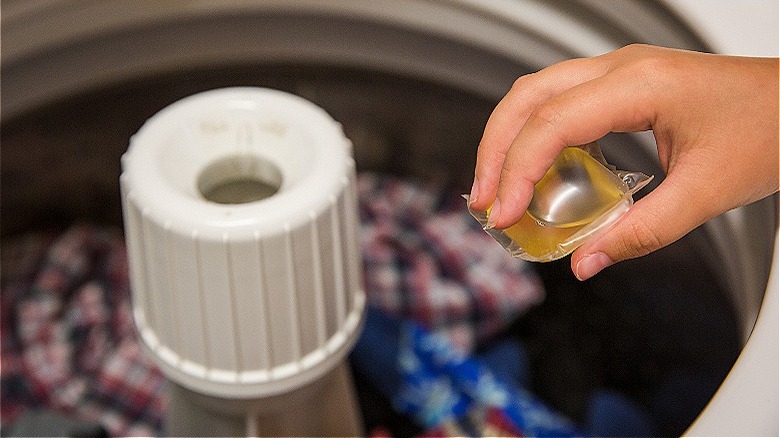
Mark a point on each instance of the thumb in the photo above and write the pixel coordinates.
(663, 216)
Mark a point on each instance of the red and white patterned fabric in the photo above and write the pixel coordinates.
(68, 340)
(426, 259)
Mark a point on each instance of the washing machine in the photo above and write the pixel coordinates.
(449, 60)
(747, 402)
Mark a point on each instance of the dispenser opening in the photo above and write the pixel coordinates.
(239, 179)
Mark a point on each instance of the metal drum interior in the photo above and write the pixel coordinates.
(413, 85)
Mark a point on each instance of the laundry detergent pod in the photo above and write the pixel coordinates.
(580, 195)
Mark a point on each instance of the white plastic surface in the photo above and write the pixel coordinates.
(243, 300)
(744, 27)
(746, 404)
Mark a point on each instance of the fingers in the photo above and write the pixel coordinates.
(699, 107)
(652, 223)
(577, 116)
(511, 113)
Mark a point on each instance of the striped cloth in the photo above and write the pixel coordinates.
(426, 259)
(68, 339)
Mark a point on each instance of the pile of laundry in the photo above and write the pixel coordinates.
(68, 339)
(440, 295)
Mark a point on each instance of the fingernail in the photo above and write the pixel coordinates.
(495, 213)
(474, 192)
(591, 265)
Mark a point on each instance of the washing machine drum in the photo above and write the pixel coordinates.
(413, 85)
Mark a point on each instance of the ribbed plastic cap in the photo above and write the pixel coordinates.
(241, 225)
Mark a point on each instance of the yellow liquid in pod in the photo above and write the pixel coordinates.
(603, 188)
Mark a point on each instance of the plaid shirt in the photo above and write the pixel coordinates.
(68, 339)
(426, 259)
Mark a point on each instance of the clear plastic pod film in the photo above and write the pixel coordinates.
(580, 196)
(241, 225)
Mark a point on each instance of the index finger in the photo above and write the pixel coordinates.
(511, 113)
(581, 114)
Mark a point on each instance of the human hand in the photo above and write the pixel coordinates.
(715, 121)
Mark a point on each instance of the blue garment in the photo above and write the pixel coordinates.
(610, 413)
(429, 380)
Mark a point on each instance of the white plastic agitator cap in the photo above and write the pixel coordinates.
(241, 225)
